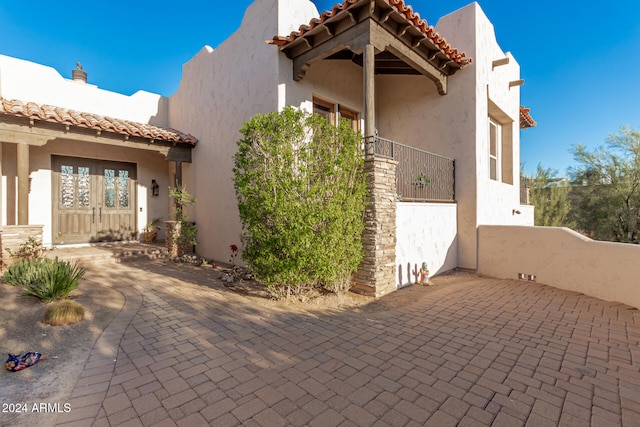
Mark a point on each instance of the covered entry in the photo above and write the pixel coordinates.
(56, 173)
(93, 200)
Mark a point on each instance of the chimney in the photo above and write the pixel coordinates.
(79, 75)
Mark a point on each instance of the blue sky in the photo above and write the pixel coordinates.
(580, 60)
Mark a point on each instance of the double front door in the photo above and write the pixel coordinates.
(93, 200)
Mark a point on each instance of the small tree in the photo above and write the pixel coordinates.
(550, 196)
(301, 189)
(606, 188)
(183, 199)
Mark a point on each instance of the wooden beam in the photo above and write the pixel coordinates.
(417, 41)
(402, 29)
(23, 183)
(385, 16)
(500, 62)
(354, 39)
(369, 107)
(383, 40)
(44, 132)
(516, 83)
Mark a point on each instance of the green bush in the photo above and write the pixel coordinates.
(23, 272)
(54, 280)
(32, 249)
(300, 187)
(182, 199)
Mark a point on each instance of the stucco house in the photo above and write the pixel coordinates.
(439, 108)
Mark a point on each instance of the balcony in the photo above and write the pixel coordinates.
(421, 176)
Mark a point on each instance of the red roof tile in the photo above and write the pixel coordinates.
(65, 116)
(402, 8)
(526, 121)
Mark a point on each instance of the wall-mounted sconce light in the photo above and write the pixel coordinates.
(155, 188)
(515, 212)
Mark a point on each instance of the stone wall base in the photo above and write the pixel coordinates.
(174, 242)
(13, 236)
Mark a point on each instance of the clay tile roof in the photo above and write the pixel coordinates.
(526, 121)
(65, 116)
(402, 8)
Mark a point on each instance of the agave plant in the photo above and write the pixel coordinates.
(55, 280)
(24, 271)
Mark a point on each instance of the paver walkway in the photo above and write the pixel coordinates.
(476, 353)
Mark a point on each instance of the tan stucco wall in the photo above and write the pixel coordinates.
(150, 165)
(426, 232)
(480, 199)
(562, 258)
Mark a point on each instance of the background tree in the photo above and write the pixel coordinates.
(300, 187)
(606, 188)
(550, 196)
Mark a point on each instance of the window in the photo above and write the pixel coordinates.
(351, 117)
(495, 141)
(328, 111)
(324, 109)
(500, 150)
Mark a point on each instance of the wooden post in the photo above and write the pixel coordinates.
(369, 59)
(23, 184)
(2, 201)
(178, 174)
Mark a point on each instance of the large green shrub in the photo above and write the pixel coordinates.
(301, 190)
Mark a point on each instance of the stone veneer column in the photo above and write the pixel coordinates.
(376, 273)
(174, 240)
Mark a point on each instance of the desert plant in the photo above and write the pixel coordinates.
(24, 272)
(182, 199)
(63, 313)
(29, 250)
(55, 280)
(151, 230)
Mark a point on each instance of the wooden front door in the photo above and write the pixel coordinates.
(93, 200)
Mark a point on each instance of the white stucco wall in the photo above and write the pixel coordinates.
(562, 258)
(220, 89)
(426, 232)
(31, 82)
(480, 199)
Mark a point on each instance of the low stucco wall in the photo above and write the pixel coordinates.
(562, 258)
(425, 232)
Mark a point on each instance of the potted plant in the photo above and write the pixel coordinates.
(151, 231)
(421, 181)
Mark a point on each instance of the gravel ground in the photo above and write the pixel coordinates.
(49, 381)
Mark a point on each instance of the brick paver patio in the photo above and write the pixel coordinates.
(475, 353)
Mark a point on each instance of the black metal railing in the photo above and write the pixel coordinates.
(421, 176)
